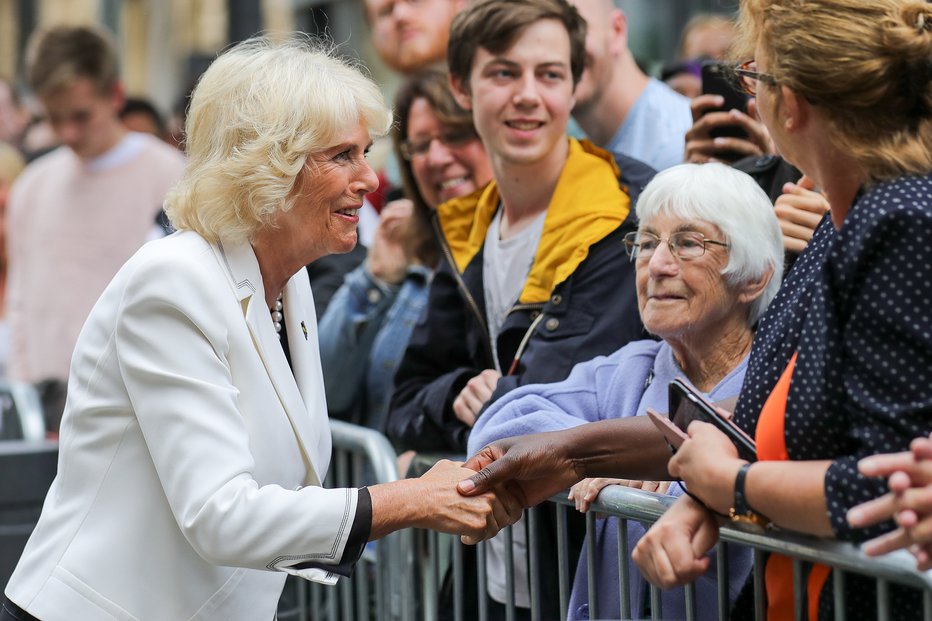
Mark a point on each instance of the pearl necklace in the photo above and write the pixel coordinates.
(277, 315)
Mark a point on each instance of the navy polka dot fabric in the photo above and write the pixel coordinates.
(861, 385)
(778, 331)
(858, 307)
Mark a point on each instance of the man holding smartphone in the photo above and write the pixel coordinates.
(618, 106)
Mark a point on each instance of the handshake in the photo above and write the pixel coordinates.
(476, 517)
(478, 498)
(492, 488)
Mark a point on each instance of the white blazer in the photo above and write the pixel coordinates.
(190, 455)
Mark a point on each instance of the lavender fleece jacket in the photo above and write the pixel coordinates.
(626, 383)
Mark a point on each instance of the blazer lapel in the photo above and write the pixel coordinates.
(301, 326)
(247, 281)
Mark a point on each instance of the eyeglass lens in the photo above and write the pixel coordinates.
(682, 244)
(454, 138)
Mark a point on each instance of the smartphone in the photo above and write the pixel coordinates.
(671, 433)
(687, 405)
(717, 81)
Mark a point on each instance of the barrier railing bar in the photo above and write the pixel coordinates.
(316, 597)
(591, 569)
(376, 447)
(510, 573)
(458, 571)
(883, 600)
(361, 576)
(394, 565)
(563, 561)
(343, 478)
(483, 579)
(623, 570)
(383, 611)
(799, 591)
(332, 608)
(760, 608)
(432, 576)
(656, 604)
(899, 567)
(302, 596)
(394, 595)
(690, 595)
(404, 547)
(838, 594)
(721, 564)
(533, 526)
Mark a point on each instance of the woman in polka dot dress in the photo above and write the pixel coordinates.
(844, 88)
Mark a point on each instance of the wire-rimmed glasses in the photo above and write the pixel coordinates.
(683, 245)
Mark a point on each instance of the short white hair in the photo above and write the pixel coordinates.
(255, 115)
(732, 201)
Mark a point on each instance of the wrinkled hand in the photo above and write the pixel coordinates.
(909, 502)
(799, 210)
(475, 394)
(701, 147)
(532, 468)
(389, 257)
(708, 463)
(475, 518)
(675, 550)
(586, 491)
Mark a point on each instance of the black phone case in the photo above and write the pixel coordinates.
(715, 81)
(682, 395)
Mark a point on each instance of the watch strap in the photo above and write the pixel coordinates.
(741, 511)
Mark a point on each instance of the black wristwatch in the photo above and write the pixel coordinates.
(741, 511)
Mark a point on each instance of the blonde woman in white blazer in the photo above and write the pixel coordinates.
(195, 434)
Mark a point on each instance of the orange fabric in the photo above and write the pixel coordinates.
(771, 446)
(770, 438)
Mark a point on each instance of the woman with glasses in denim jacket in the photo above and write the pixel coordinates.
(364, 332)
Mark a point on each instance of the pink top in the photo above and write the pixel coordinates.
(70, 226)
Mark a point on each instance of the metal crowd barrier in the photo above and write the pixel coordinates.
(420, 575)
(627, 504)
(380, 587)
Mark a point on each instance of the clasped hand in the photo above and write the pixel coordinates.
(908, 503)
(674, 551)
(474, 518)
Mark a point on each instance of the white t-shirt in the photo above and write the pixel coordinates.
(505, 266)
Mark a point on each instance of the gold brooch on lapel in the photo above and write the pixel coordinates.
(304, 329)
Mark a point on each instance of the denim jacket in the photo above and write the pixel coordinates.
(363, 335)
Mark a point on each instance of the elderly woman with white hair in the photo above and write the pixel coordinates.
(195, 434)
(708, 256)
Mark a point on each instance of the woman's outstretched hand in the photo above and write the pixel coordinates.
(532, 468)
(432, 502)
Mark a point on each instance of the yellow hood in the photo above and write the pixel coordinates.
(587, 205)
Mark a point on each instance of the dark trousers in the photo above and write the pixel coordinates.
(11, 612)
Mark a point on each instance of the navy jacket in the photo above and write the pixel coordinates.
(579, 302)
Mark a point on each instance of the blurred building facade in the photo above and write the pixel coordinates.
(165, 44)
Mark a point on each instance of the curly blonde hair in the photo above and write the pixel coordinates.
(255, 115)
